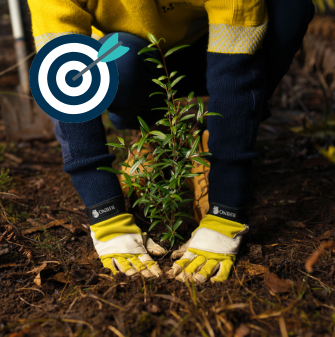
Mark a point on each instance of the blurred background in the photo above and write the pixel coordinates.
(309, 86)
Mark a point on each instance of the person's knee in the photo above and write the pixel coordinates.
(306, 11)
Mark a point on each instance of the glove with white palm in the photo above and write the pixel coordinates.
(211, 252)
(121, 245)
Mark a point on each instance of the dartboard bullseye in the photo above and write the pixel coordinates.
(73, 79)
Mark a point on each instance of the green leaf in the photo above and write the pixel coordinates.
(161, 188)
(179, 236)
(162, 78)
(167, 139)
(156, 165)
(164, 122)
(136, 165)
(131, 190)
(213, 114)
(161, 84)
(124, 164)
(146, 209)
(177, 224)
(130, 183)
(194, 147)
(173, 73)
(137, 202)
(143, 132)
(157, 133)
(200, 161)
(150, 59)
(146, 49)
(174, 130)
(116, 145)
(152, 39)
(190, 96)
(157, 93)
(172, 50)
(192, 175)
(154, 224)
(176, 196)
(144, 124)
(177, 80)
(162, 108)
(121, 140)
(187, 200)
(201, 105)
(186, 117)
(140, 144)
(166, 236)
(184, 214)
(109, 169)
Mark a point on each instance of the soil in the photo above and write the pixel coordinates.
(53, 284)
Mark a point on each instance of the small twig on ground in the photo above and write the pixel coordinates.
(316, 279)
(32, 289)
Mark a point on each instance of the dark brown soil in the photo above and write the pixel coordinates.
(292, 212)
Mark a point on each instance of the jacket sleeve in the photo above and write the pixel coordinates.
(53, 18)
(236, 26)
(236, 83)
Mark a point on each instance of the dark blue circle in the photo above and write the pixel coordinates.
(70, 82)
(96, 78)
(59, 94)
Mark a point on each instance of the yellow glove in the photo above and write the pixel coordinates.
(122, 247)
(210, 253)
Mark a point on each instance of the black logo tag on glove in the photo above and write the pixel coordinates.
(229, 213)
(106, 209)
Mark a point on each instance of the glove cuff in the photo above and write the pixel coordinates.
(106, 209)
(230, 213)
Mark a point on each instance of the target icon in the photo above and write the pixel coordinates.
(73, 79)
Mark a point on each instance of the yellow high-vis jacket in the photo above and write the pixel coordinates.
(235, 26)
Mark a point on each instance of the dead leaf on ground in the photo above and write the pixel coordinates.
(37, 270)
(310, 262)
(296, 224)
(38, 227)
(253, 269)
(327, 235)
(242, 331)
(60, 277)
(276, 284)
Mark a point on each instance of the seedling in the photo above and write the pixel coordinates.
(161, 179)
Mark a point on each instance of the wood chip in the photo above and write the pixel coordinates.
(253, 269)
